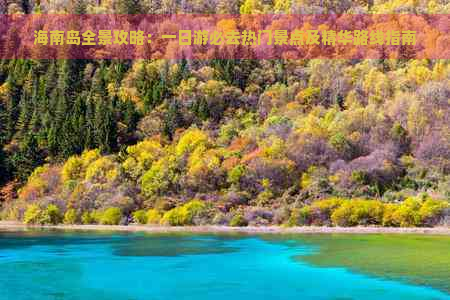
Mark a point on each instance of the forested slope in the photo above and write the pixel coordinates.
(251, 141)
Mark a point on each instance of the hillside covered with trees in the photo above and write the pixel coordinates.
(237, 142)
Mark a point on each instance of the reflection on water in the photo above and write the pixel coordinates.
(173, 246)
(107, 265)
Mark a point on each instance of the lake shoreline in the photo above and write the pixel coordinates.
(226, 229)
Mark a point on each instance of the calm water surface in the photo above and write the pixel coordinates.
(80, 265)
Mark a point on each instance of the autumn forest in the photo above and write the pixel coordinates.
(229, 142)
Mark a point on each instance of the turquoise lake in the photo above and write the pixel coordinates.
(130, 266)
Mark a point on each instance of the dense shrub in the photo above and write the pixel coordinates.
(407, 213)
(173, 217)
(238, 220)
(358, 212)
(103, 169)
(300, 217)
(70, 217)
(153, 216)
(432, 211)
(389, 215)
(72, 169)
(321, 210)
(33, 214)
(414, 211)
(193, 211)
(10, 212)
(96, 216)
(235, 174)
(75, 167)
(191, 139)
(52, 215)
(42, 182)
(160, 177)
(111, 216)
(87, 218)
(140, 157)
(140, 216)
(185, 214)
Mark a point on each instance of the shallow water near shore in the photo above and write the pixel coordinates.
(43, 264)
